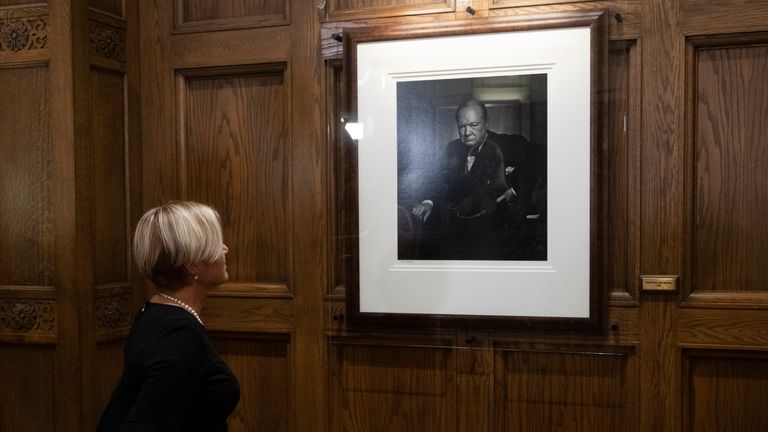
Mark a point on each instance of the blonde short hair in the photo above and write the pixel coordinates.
(172, 235)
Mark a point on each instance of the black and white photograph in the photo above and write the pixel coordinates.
(472, 168)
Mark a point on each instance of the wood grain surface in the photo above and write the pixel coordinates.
(110, 212)
(26, 189)
(112, 7)
(237, 148)
(731, 159)
(209, 10)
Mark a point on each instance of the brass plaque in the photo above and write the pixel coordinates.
(665, 283)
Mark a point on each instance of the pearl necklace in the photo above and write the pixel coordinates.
(183, 305)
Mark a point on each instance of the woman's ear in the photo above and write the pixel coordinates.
(192, 268)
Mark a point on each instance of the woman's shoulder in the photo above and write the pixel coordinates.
(168, 326)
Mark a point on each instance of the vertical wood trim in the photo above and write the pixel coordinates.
(305, 74)
(625, 168)
(661, 210)
(662, 150)
(133, 146)
(67, 403)
(180, 132)
(83, 202)
(634, 203)
(157, 94)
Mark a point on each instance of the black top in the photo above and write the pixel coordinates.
(173, 379)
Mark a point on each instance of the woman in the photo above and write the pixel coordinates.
(173, 379)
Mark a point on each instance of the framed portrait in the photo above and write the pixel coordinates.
(478, 170)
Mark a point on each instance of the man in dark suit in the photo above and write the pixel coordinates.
(525, 202)
(482, 200)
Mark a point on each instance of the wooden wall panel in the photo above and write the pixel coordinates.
(110, 238)
(236, 47)
(27, 398)
(112, 7)
(623, 187)
(262, 365)
(722, 16)
(109, 367)
(521, 3)
(725, 328)
(206, 15)
(562, 390)
(4, 3)
(727, 391)
(339, 10)
(210, 10)
(731, 160)
(237, 148)
(26, 215)
(379, 388)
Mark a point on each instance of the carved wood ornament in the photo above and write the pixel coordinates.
(106, 41)
(27, 317)
(19, 34)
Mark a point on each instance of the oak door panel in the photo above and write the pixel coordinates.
(107, 371)
(731, 159)
(568, 391)
(110, 234)
(339, 10)
(380, 388)
(209, 10)
(262, 365)
(26, 188)
(236, 151)
(728, 391)
(27, 398)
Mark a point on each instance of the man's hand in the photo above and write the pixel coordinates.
(507, 196)
(423, 210)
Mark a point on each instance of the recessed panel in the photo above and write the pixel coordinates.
(26, 219)
(731, 161)
(26, 402)
(621, 187)
(4, 3)
(237, 148)
(563, 391)
(262, 366)
(349, 9)
(107, 371)
(728, 394)
(110, 246)
(208, 10)
(374, 4)
(393, 388)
